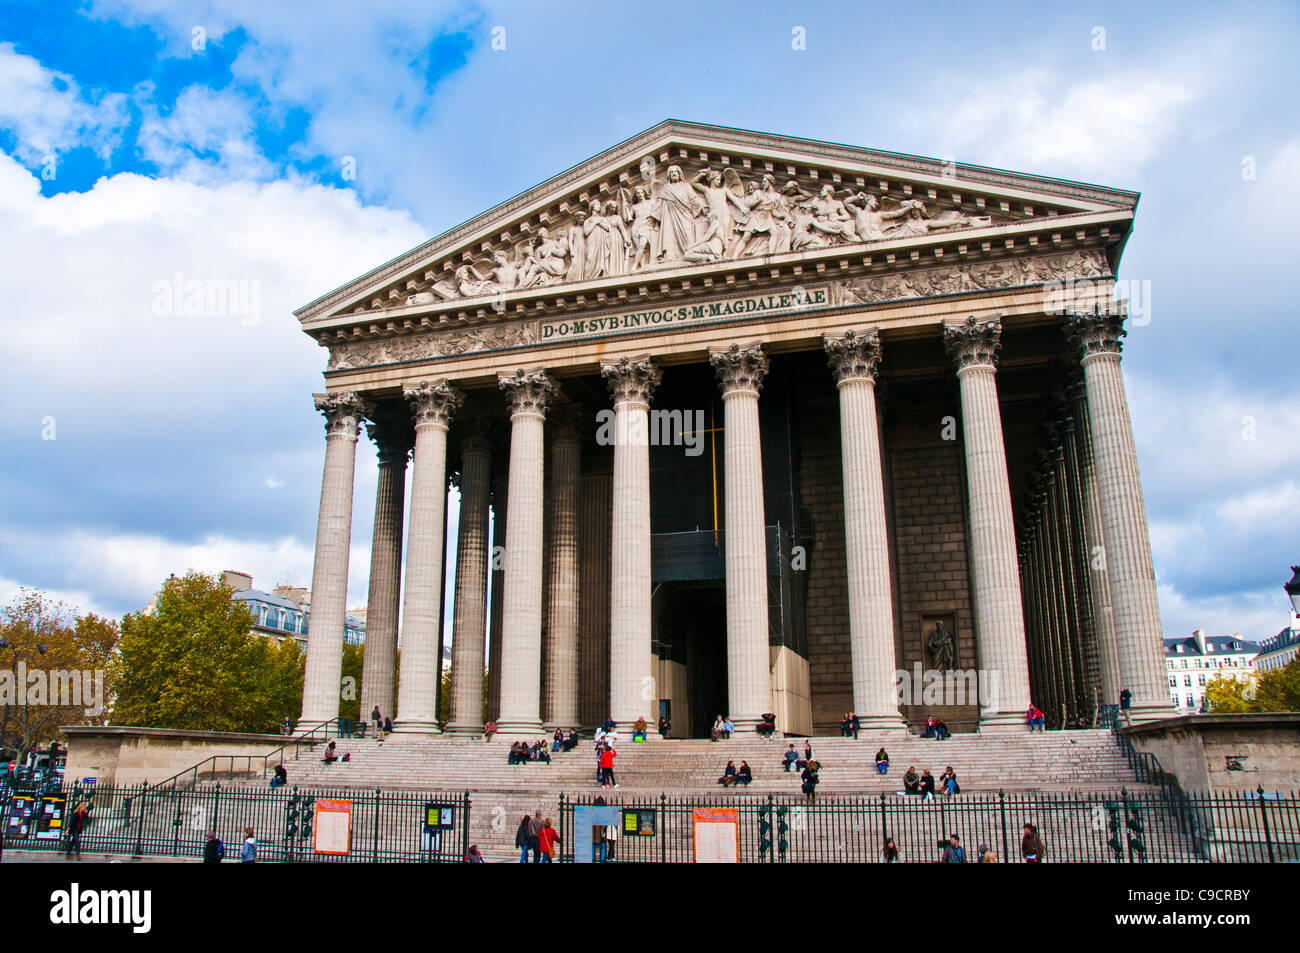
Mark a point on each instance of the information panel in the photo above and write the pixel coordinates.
(717, 835)
(332, 827)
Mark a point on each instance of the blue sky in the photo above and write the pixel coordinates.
(144, 138)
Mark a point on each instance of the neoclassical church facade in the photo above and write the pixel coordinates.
(741, 424)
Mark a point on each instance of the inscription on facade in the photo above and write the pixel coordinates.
(693, 314)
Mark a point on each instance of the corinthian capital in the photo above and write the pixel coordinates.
(1095, 333)
(344, 411)
(527, 392)
(854, 357)
(631, 379)
(432, 402)
(973, 343)
(740, 368)
(392, 440)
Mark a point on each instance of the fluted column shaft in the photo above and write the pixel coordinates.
(999, 616)
(432, 405)
(633, 689)
(1098, 578)
(741, 370)
(562, 599)
(1127, 543)
(521, 611)
(855, 358)
(323, 673)
(469, 625)
(379, 671)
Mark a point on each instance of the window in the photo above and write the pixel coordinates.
(1201, 679)
(1191, 702)
(1173, 681)
(1174, 700)
(1187, 680)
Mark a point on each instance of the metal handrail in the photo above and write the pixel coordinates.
(307, 738)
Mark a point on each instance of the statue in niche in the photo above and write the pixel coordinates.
(722, 191)
(544, 262)
(940, 646)
(679, 206)
(765, 211)
(830, 217)
(638, 210)
(577, 242)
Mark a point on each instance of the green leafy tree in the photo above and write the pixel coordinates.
(48, 638)
(193, 663)
(1275, 691)
(354, 661)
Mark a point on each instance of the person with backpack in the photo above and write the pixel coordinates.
(248, 852)
(1031, 845)
(214, 851)
(953, 853)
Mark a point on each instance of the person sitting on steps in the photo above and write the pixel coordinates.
(911, 781)
(638, 730)
(728, 775)
(767, 727)
(927, 785)
(948, 781)
(789, 759)
(882, 761)
(744, 775)
(330, 756)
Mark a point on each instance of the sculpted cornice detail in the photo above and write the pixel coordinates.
(973, 343)
(855, 356)
(740, 368)
(433, 402)
(394, 350)
(631, 380)
(982, 276)
(344, 411)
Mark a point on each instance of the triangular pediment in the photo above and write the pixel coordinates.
(683, 198)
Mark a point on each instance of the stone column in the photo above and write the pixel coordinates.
(741, 369)
(562, 599)
(633, 691)
(1094, 550)
(521, 613)
(854, 359)
(432, 405)
(999, 618)
(344, 411)
(1135, 609)
(379, 675)
(469, 622)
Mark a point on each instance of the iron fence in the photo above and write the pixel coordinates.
(289, 824)
(1122, 827)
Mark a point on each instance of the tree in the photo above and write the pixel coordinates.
(1278, 690)
(354, 662)
(193, 663)
(63, 658)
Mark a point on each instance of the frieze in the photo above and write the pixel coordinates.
(982, 276)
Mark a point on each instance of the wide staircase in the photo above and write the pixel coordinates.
(501, 793)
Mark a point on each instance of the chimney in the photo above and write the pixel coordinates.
(1199, 636)
(237, 580)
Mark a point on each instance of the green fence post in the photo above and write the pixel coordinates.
(663, 827)
(1263, 813)
(1002, 809)
(139, 823)
(375, 853)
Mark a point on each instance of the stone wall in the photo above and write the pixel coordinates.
(126, 755)
(1196, 749)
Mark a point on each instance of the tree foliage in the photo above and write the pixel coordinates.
(30, 714)
(193, 663)
(1274, 691)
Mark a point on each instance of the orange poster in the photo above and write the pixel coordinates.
(717, 835)
(332, 827)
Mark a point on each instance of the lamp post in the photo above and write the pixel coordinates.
(1292, 589)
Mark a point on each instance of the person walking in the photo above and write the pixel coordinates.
(953, 853)
(607, 767)
(76, 826)
(248, 852)
(1031, 845)
(889, 853)
(535, 824)
(214, 851)
(521, 839)
(547, 840)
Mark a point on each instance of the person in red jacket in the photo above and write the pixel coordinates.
(548, 838)
(607, 767)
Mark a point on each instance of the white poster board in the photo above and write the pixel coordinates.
(332, 827)
(717, 835)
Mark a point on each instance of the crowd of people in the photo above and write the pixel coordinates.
(924, 783)
(521, 752)
(536, 835)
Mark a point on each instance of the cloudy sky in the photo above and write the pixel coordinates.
(295, 146)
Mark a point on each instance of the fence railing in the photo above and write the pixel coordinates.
(287, 822)
(1121, 827)
(210, 769)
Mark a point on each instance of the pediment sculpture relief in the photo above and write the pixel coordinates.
(707, 216)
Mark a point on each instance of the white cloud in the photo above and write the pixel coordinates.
(209, 136)
(48, 112)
